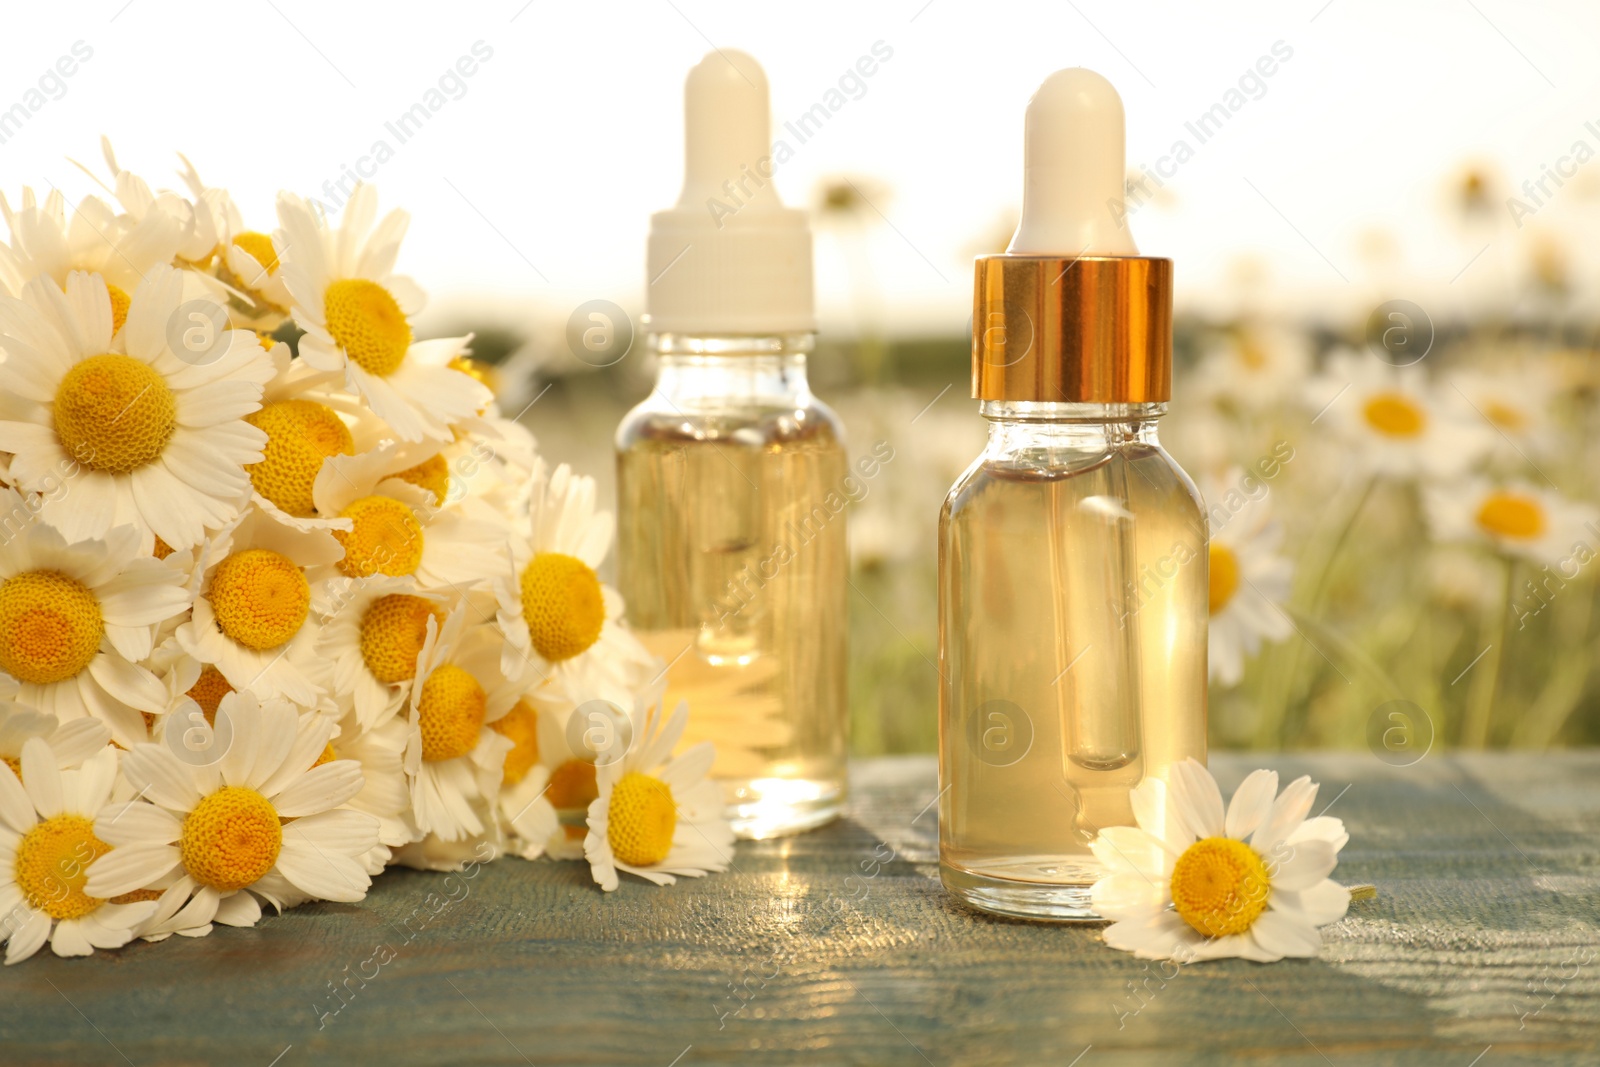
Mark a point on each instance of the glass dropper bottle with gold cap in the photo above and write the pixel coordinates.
(1072, 554)
(732, 566)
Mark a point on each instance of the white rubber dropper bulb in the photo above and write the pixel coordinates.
(728, 128)
(1074, 165)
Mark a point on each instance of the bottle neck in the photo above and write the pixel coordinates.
(1047, 433)
(742, 367)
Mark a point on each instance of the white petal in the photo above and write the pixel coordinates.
(320, 788)
(1198, 799)
(1288, 811)
(126, 868)
(16, 810)
(1251, 803)
(1282, 934)
(1324, 903)
(1301, 865)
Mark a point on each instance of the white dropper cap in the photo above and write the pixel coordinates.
(729, 257)
(1074, 167)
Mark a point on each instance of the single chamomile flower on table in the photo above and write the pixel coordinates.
(147, 435)
(454, 758)
(357, 316)
(1515, 518)
(1392, 419)
(77, 620)
(47, 242)
(47, 844)
(253, 618)
(373, 630)
(1250, 581)
(266, 819)
(553, 609)
(658, 816)
(1194, 881)
(392, 499)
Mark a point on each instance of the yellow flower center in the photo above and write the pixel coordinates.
(120, 303)
(1220, 886)
(50, 626)
(300, 435)
(208, 691)
(521, 725)
(161, 550)
(1224, 576)
(641, 819)
(328, 755)
(1511, 515)
(573, 785)
(15, 763)
(135, 896)
(392, 634)
(53, 864)
(478, 372)
(450, 713)
(387, 538)
(231, 838)
(259, 246)
(260, 597)
(1505, 416)
(1395, 415)
(562, 604)
(432, 474)
(368, 324)
(114, 413)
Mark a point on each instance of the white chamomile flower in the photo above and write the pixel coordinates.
(1250, 581)
(47, 843)
(1516, 518)
(373, 630)
(253, 618)
(263, 820)
(198, 223)
(454, 759)
(357, 316)
(1392, 420)
(1192, 882)
(385, 790)
(76, 621)
(71, 742)
(147, 435)
(392, 499)
(658, 816)
(1519, 404)
(525, 805)
(1254, 367)
(48, 243)
(553, 609)
(304, 425)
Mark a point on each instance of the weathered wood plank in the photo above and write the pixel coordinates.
(1488, 871)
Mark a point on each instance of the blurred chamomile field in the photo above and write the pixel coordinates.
(1387, 364)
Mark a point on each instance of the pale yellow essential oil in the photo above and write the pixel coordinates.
(733, 566)
(1073, 605)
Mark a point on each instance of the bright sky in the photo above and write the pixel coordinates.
(532, 184)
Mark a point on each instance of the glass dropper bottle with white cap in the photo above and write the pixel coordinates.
(1072, 553)
(732, 559)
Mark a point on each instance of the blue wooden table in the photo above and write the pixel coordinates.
(1481, 949)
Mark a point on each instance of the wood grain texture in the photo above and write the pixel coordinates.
(821, 949)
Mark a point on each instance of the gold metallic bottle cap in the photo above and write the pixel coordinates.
(1091, 329)
(1072, 313)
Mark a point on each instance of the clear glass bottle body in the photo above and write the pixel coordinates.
(1073, 599)
(733, 565)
